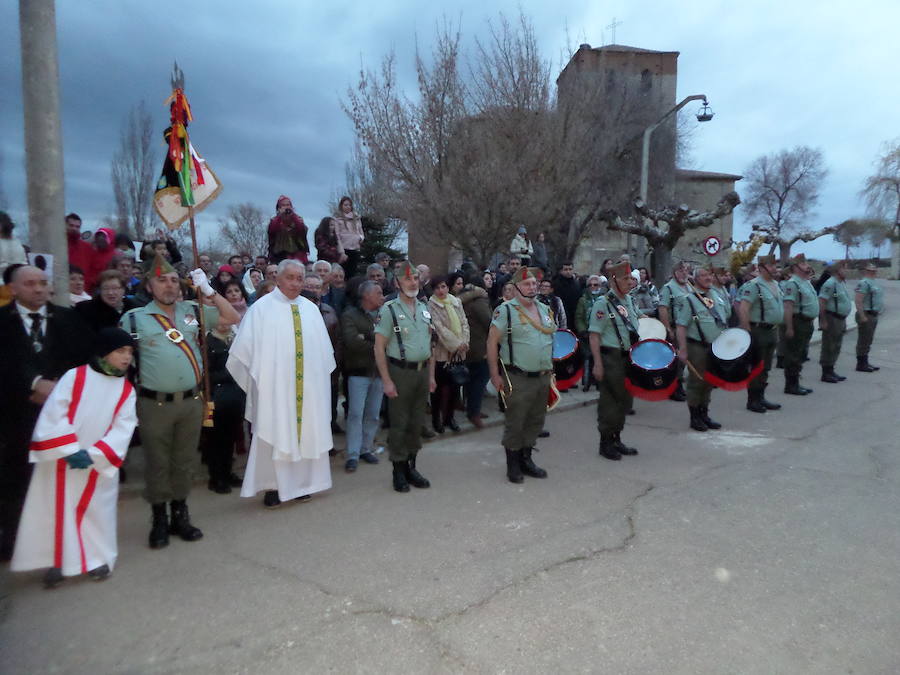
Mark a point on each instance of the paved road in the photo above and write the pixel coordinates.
(772, 546)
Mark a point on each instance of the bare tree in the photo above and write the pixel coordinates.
(245, 229)
(4, 203)
(487, 145)
(677, 221)
(133, 168)
(881, 190)
(782, 189)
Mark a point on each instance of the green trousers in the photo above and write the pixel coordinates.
(698, 391)
(765, 339)
(795, 347)
(615, 401)
(526, 408)
(832, 338)
(170, 433)
(407, 412)
(865, 334)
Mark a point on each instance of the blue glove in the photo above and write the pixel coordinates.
(79, 460)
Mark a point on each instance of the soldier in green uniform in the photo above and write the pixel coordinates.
(761, 310)
(403, 357)
(834, 307)
(522, 332)
(869, 299)
(613, 329)
(699, 319)
(169, 407)
(670, 294)
(801, 306)
(719, 275)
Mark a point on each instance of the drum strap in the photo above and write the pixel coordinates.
(398, 333)
(613, 313)
(762, 304)
(509, 336)
(697, 320)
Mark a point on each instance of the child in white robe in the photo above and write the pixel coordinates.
(80, 440)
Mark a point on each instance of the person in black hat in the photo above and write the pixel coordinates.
(80, 441)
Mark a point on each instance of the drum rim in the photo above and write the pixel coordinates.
(645, 341)
(732, 331)
(574, 346)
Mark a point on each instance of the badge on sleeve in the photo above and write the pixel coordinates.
(600, 314)
(496, 313)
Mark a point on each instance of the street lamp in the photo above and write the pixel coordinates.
(705, 115)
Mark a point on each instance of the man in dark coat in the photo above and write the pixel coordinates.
(41, 342)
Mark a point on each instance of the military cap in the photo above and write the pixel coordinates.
(620, 270)
(158, 266)
(766, 260)
(407, 270)
(524, 273)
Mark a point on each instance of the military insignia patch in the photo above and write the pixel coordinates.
(496, 313)
(600, 314)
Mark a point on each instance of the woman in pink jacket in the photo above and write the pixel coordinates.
(349, 230)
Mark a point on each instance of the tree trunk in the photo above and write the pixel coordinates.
(662, 265)
(784, 252)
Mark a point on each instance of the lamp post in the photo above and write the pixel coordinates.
(705, 115)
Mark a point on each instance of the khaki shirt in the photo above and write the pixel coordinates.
(532, 349)
(670, 295)
(703, 323)
(873, 295)
(836, 297)
(766, 303)
(414, 329)
(614, 319)
(803, 295)
(163, 364)
(723, 293)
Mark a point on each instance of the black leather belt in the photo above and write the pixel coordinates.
(696, 342)
(408, 365)
(805, 318)
(613, 350)
(764, 326)
(871, 312)
(166, 397)
(836, 315)
(527, 373)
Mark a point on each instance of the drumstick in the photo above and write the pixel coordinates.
(694, 370)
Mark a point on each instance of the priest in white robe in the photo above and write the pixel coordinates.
(282, 358)
(82, 435)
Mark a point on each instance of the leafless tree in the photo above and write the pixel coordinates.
(488, 144)
(4, 203)
(881, 190)
(245, 229)
(134, 166)
(782, 189)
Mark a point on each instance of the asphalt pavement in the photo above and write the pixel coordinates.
(771, 546)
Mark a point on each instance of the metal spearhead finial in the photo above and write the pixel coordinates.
(177, 79)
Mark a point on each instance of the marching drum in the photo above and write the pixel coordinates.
(733, 360)
(652, 370)
(568, 361)
(650, 328)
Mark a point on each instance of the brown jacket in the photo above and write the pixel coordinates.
(447, 342)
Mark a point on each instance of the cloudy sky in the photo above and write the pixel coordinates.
(265, 80)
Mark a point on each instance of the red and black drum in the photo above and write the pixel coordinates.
(733, 360)
(568, 361)
(652, 372)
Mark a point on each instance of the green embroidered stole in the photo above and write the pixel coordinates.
(298, 344)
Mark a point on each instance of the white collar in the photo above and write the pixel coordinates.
(24, 311)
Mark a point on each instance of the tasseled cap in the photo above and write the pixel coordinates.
(620, 270)
(407, 270)
(524, 273)
(766, 260)
(798, 259)
(158, 266)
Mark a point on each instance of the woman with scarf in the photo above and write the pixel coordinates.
(452, 332)
(349, 231)
(109, 304)
(236, 296)
(227, 432)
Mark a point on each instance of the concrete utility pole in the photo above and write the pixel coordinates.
(43, 138)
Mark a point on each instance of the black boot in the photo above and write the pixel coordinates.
(829, 376)
(621, 447)
(514, 465)
(181, 522)
(768, 404)
(697, 423)
(529, 468)
(400, 483)
(754, 402)
(862, 365)
(608, 448)
(792, 384)
(704, 415)
(779, 362)
(53, 578)
(159, 531)
(678, 394)
(413, 477)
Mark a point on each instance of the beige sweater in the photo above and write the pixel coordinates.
(448, 342)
